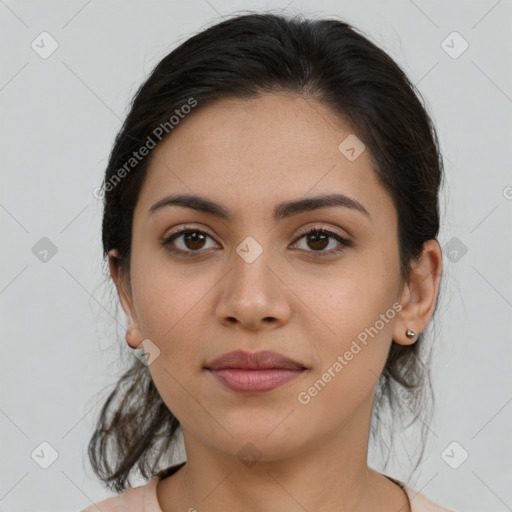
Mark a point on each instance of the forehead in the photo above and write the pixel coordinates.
(250, 152)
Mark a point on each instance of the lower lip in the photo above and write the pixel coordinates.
(254, 381)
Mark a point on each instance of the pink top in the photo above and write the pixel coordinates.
(144, 499)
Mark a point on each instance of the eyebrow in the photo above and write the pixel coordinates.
(281, 211)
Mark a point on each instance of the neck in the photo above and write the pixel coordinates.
(330, 473)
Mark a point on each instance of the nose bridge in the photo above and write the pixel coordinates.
(251, 262)
(251, 292)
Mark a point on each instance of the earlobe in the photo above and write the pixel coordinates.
(133, 335)
(419, 295)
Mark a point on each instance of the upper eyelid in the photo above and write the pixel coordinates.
(186, 228)
(304, 231)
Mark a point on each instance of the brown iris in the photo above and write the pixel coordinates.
(317, 241)
(194, 240)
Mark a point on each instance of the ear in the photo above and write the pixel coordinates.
(133, 334)
(419, 294)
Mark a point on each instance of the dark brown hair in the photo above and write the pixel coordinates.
(242, 57)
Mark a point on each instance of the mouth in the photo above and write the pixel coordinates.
(253, 373)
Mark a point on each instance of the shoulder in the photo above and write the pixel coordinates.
(138, 499)
(420, 503)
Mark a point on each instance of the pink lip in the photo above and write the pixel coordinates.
(254, 381)
(256, 372)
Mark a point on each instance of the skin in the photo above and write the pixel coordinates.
(249, 155)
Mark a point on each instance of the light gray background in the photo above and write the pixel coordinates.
(59, 117)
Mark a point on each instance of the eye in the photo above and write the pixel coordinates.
(188, 241)
(318, 240)
(191, 241)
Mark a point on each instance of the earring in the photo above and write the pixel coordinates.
(410, 334)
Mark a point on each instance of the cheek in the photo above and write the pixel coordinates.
(168, 299)
(357, 319)
(349, 300)
(170, 310)
(350, 363)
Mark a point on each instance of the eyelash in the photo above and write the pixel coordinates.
(344, 243)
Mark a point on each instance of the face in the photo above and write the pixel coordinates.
(253, 281)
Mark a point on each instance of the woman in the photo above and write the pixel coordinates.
(270, 222)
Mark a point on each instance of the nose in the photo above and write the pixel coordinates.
(253, 295)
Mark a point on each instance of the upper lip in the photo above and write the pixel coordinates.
(263, 360)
